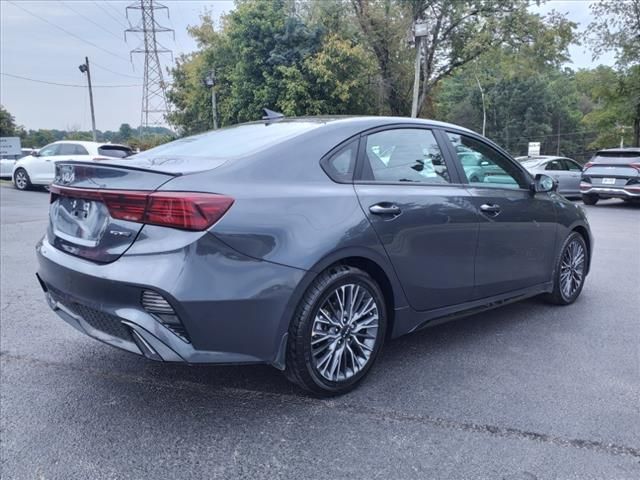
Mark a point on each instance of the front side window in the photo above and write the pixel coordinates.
(49, 150)
(404, 155)
(490, 168)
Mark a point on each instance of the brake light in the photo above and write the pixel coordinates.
(183, 210)
(587, 165)
(636, 165)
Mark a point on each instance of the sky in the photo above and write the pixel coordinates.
(48, 40)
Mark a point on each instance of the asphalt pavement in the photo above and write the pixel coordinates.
(528, 391)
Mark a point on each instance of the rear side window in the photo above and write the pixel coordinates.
(404, 155)
(70, 149)
(232, 142)
(340, 165)
(115, 151)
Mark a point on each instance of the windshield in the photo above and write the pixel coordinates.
(231, 142)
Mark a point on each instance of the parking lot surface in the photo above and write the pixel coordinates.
(522, 392)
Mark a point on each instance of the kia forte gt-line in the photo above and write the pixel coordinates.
(302, 243)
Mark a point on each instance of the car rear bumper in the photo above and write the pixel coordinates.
(615, 192)
(234, 308)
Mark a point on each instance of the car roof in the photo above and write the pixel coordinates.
(620, 150)
(92, 144)
(542, 158)
(366, 121)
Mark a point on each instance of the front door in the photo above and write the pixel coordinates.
(423, 216)
(517, 229)
(42, 168)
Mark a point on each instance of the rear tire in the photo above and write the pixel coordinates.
(21, 179)
(570, 271)
(329, 349)
(590, 199)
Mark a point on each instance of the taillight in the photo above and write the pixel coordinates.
(587, 165)
(184, 210)
(636, 165)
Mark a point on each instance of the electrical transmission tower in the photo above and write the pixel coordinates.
(154, 97)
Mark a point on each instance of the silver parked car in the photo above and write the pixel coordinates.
(565, 171)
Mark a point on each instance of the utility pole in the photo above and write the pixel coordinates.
(484, 109)
(419, 31)
(210, 81)
(84, 68)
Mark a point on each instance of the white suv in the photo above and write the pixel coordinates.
(39, 169)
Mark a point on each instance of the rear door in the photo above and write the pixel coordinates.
(559, 171)
(423, 216)
(517, 229)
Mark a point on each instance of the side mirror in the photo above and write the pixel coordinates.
(544, 183)
(34, 153)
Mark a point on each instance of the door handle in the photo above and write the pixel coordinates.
(385, 209)
(490, 208)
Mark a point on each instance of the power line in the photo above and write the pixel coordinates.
(91, 21)
(118, 21)
(67, 31)
(94, 64)
(57, 84)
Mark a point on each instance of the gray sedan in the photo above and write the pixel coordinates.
(564, 170)
(304, 243)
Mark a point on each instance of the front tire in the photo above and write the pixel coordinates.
(337, 332)
(570, 271)
(590, 199)
(21, 179)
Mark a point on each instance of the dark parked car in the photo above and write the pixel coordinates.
(303, 243)
(612, 173)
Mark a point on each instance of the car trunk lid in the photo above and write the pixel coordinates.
(83, 199)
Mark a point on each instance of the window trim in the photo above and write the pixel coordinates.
(360, 160)
(327, 157)
(489, 144)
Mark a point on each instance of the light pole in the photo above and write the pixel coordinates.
(420, 29)
(84, 68)
(210, 81)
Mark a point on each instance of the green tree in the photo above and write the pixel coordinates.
(124, 132)
(8, 125)
(617, 28)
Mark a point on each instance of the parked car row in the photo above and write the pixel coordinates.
(38, 168)
(7, 162)
(611, 173)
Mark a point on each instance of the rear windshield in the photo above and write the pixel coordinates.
(115, 151)
(231, 142)
(605, 156)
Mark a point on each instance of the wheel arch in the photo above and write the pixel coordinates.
(375, 264)
(584, 233)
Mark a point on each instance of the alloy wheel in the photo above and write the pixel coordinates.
(572, 268)
(344, 332)
(21, 179)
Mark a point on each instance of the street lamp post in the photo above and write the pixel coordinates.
(420, 29)
(210, 81)
(84, 68)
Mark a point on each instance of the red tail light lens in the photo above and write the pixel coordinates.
(184, 210)
(587, 165)
(189, 211)
(636, 165)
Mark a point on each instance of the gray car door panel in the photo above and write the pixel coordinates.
(424, 220)
(517, 230)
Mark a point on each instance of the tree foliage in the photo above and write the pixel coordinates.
(7, 123)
